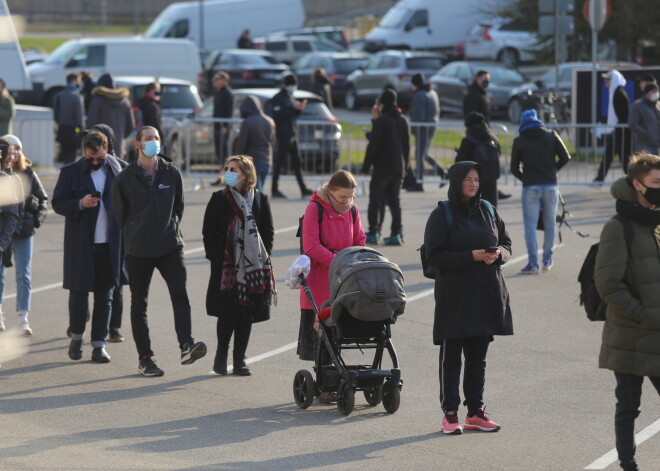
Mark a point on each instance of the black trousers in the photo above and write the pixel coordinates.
(236, 321)
(287, 148)
(489, 191)
(474, 349)
(384, 189)
(618, 142)
(628, 399)
(221, 142)
(67, 154)
(117, 308)
(173, 270)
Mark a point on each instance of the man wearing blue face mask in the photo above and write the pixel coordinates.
(147, 202)
(68, 113)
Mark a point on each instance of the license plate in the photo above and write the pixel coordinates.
(319, 134)
(268, 76)
(309, 145)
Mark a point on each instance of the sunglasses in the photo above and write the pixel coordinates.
(232, 169)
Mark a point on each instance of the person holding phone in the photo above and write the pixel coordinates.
(93, 243)
(468, 248)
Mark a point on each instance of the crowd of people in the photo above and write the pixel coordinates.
(123, 221)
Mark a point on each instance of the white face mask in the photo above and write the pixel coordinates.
(654, 96)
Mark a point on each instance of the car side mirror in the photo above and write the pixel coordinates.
(538, 83)
(72, 63)
(408, 27)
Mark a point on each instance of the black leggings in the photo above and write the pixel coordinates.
(237, 322)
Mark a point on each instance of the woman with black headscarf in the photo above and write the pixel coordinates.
(467, 243)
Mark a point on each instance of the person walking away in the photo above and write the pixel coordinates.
(88, 84)
(468, 315)
(617, 139)
(627, 277)
(388, 152)
(340, 227)
(644, 121)
(93, 252)
(32, 211)
(8, 211)
(286, 110)
(238, 239)
(256, 138)
(223, 107)
(111, 106)
(424, 108)
(322, 86)
(149, 106)
(477, 98)
(69, 113)
(147, 200)
(536, 158)
(481, 145)
(7, 109)
(245, 41)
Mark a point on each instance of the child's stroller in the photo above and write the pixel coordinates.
(366, 296)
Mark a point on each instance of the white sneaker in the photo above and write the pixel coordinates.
(23, 323)
(2, 322)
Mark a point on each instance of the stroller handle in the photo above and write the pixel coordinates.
(308, 292)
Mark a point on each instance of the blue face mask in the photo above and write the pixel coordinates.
(231, 178)
(291, 90)
(151, 149)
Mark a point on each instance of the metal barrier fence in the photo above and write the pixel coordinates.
(37, 135)
(325, 146)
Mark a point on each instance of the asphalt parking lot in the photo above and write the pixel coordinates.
(543, 385)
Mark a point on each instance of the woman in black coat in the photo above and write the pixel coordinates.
(467, 246)
(241, 287)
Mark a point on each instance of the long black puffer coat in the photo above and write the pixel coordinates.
(471, 298)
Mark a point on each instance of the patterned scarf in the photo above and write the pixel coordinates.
(247, 271)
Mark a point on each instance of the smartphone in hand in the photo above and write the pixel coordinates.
(492, 249)
(96, 194)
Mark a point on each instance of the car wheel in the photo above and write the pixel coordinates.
(350, 99)
(508, 56)
(514, 110)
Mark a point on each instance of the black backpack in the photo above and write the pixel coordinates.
(593, 304)
(320, 209)
(431, 272)
(486, 154)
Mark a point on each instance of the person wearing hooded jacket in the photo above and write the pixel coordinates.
(536, 158)
(111, 106)
(467, 313)
(424, 108)
(340, 227)
(478, 133)
(627, 277)
(322, 86)
(644, 121)
(477, 98)
(256, 137)
(388, 151)
(617, 140)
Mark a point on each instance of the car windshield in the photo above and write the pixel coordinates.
(62, 53)
(395, 18)
(346, 66)
(429, 63)
(179, 96)
(503, 75)
(158, 28)
(316, 111)
(255, 59)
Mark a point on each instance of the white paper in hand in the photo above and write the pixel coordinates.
(299, 265)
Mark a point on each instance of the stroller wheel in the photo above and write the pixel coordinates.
(303, 389)
(391, 397)
(346, 401)
(374, 395)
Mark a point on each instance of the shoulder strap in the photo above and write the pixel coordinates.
(449, 215)
(319, 207)
(627, 231)
(354, 213)
(489, 207)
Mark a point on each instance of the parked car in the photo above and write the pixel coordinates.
(536, 91)
(32, 55)
(335, 34)
(452, 80)
(389, 69)
(318, 143)
(505, 40)
(338, 65)
(247, 68)
(289, 48)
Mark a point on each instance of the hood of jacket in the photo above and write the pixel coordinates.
(250, 106)
(623, 190)
(111, 93)
(109, 133)
(481, 131)
(457, 173)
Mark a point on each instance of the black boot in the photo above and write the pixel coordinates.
(220, 362)
(239, 365)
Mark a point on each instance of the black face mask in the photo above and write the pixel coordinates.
(485, 84)
(95, 166)
(652, 195)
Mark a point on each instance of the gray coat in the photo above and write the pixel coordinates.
(257, 132)
(425, 106)
(68, 109)
(111, 106)
(644, 122)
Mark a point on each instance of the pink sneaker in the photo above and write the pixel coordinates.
(451, 425)
(481, 421)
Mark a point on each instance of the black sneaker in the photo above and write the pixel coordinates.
(191, 352)
(503, 196)
(307, 192)
(217, 182)
(148, 367)
(277, 194)
(115, 336)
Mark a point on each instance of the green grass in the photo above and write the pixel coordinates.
(75, 29)
(47, 44)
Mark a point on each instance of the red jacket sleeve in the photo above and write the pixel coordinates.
(312, 245)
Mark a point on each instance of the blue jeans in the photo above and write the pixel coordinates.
(262, 173)
(22, 249)
(534, 198)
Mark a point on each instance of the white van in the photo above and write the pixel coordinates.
(117, 56)
(425, 24)
(225, 20)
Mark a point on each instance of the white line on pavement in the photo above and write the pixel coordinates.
(611, 456)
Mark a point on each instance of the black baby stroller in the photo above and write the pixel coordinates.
(366, 296)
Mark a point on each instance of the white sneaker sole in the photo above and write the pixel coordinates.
(483, 429)
(458, 431)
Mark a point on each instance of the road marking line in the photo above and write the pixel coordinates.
(611, 456)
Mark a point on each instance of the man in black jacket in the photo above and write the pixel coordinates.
(223, 107)
(285, 111)
(147, 201)
(477, 98)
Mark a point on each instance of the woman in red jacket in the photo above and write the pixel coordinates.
(338, 227)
